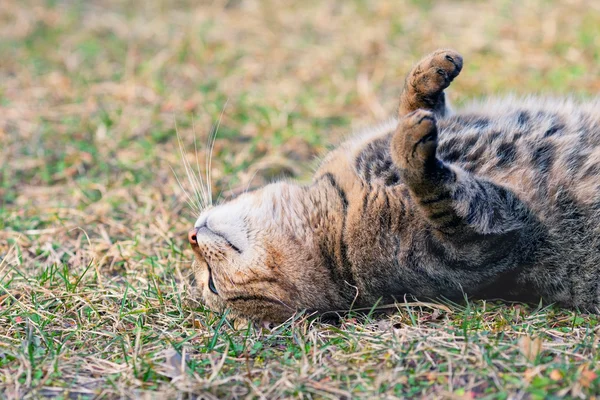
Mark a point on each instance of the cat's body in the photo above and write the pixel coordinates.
(546, 152)
(501, 200)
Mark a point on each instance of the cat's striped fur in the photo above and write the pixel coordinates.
(500, 200)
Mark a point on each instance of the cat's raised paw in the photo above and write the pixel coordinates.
(435, 72)
(415, 141)
(426, 82)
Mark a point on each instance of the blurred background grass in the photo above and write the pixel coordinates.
(92, 92)
(91, 214)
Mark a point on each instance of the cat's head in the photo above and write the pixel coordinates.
(258, 255)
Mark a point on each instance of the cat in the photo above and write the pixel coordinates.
(499, 200)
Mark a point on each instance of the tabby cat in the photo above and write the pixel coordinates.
(500, 200)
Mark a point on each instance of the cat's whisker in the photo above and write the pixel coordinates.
(204, 191)
(189, 199)
(185, 164)
(210, 149)
(250, 181)
(192, 179)
(208, 160)
(220, 195)
(200, 181)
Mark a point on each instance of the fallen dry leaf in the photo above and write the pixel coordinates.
(530, 347)
(587, 378)
(556, 375)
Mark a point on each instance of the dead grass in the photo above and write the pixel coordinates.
(94, 292)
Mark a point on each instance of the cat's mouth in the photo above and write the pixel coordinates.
(211, 282)
(193, 237)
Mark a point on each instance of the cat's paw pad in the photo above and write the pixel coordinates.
(434, 73)
(415, 141)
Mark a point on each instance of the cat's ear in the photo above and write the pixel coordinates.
(424, 86)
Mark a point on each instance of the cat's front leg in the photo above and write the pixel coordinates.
(452, 200)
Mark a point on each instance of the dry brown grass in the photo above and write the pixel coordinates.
(94, 292)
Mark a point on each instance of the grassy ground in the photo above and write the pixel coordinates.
(94, 293)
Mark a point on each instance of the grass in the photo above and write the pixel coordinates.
(95, 295)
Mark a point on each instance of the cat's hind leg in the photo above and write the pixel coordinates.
(424, 86)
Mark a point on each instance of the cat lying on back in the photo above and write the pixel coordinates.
(501, 200)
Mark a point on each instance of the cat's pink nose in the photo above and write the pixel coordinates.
(192, 237)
